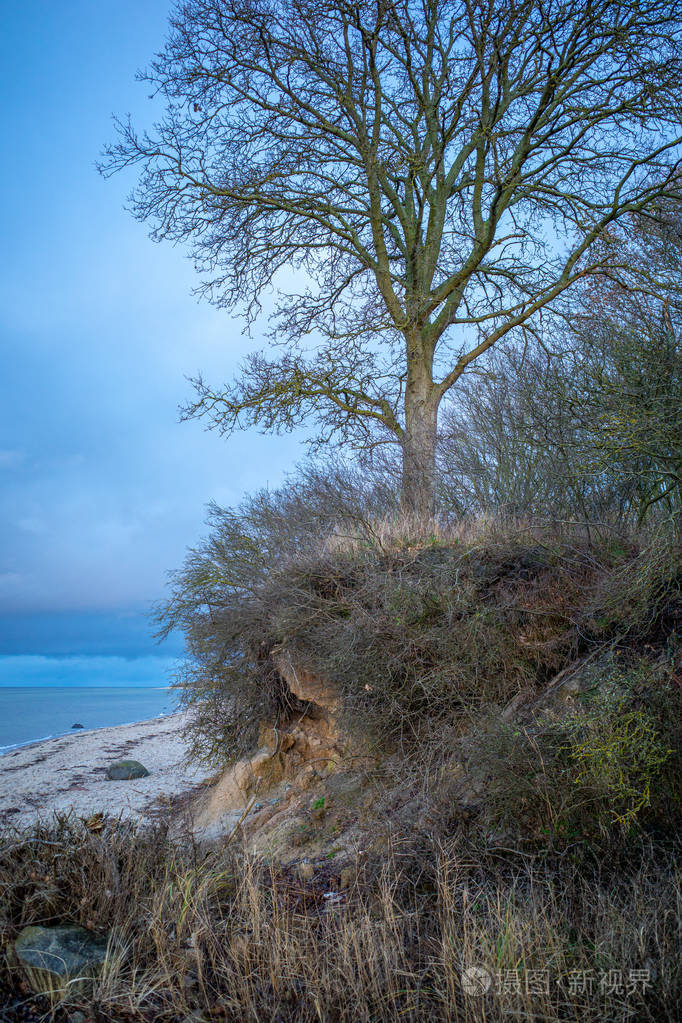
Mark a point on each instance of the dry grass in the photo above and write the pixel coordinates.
(228, 938)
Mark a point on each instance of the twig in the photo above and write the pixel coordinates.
(241, 820)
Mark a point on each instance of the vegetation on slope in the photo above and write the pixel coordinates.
(428, 641)
(525, 834)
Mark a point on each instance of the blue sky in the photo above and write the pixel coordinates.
(101, 488)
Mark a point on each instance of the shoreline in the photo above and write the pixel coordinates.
(67, 773)
(5, 750)
(31, 714)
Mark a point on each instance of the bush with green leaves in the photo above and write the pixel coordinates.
(616, 751)
(597, 774)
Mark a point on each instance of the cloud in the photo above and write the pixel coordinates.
(128, 634)
(86, 671)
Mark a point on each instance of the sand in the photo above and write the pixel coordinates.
(69, 773)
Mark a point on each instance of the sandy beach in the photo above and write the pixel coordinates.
(69, 773)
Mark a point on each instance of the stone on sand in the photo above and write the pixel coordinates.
(126, 770)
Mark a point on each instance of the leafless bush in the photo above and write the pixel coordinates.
(584, 424)
(418, 624)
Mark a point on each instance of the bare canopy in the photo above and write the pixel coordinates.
(438, 173)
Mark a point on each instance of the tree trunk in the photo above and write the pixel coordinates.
(418, 491)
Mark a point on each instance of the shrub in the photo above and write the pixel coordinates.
(414, 636)
(421, 626)
(617, 752)
(600, 773)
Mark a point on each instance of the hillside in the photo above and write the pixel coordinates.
(448, 788)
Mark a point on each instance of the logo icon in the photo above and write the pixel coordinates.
(475, 980)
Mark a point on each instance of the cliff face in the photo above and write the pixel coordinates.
(303, 790)
(312, 794)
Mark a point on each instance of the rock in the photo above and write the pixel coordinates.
(77, 1017)
(306, 776)
(77, 725)
(306, 685)
(60, 960)
(126, 770)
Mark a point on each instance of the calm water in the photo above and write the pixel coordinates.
(28, 713)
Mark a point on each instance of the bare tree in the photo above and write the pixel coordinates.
(438, 171)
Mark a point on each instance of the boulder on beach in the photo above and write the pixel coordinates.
(77, 725)
(60, 960)
(126, 770)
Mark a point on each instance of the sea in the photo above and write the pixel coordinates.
(32, 713)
